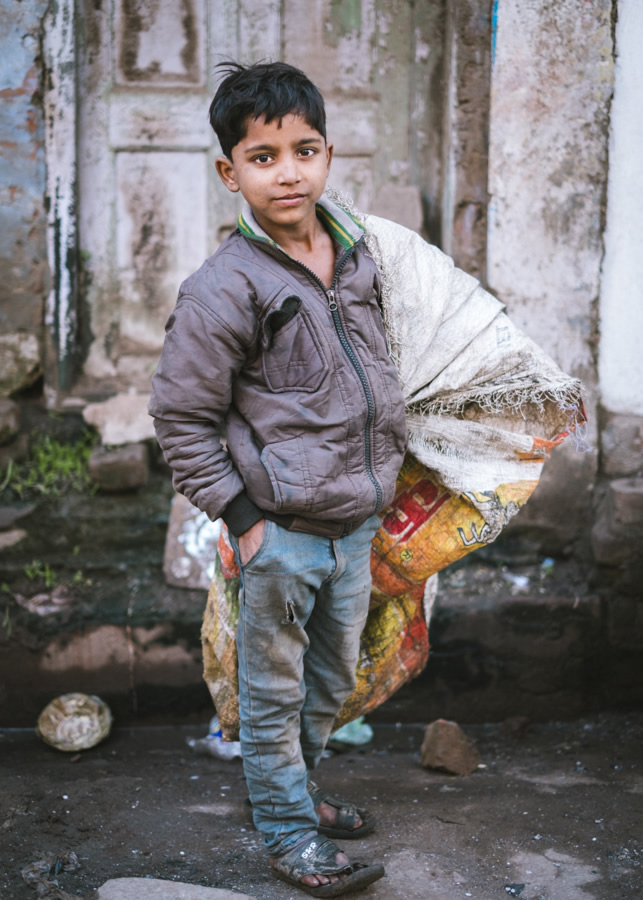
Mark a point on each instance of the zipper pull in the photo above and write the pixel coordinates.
(332, 305)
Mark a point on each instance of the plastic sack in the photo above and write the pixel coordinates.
(425, 529)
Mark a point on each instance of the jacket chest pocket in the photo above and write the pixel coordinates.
(292, 357)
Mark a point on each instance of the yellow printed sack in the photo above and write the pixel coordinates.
(424, 530)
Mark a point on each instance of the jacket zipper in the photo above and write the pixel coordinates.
(361, 374)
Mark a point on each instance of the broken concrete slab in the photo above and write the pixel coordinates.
(159, 889)
(19, 361)
(123, 419)
(447, 748)
(190, 546)
(11, 538)
(11, 514)
(123, 468)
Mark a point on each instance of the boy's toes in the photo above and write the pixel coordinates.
(317, 880)
(328, 816)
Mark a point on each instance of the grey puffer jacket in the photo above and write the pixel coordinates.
(297, 379)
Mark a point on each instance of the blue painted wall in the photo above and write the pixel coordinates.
(23, 255)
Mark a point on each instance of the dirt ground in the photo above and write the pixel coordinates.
(555, 812)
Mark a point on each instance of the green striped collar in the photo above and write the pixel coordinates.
(343, 227)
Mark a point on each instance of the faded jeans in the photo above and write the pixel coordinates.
(304, 602)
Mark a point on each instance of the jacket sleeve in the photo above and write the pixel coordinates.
(191, 393)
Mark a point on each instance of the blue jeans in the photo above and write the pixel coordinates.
(304, 602)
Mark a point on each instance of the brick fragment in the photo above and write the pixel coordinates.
(123, 468)
(447, 748)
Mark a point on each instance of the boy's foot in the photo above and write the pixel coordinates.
(337, 817)
(318, 867)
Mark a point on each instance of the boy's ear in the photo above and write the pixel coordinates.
(329, 156)
(225, 170)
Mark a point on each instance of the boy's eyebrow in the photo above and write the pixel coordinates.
(307, 140)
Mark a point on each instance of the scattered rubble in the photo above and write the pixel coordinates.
(124, 468)
(19, 361)
(46, 603)
(11, 538)
(190, 546)
(123, 419)
(447, 748)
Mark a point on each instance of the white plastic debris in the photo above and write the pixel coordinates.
(214, 745)
(519, 581)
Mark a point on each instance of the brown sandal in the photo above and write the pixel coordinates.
(318, 857)
(347, 813)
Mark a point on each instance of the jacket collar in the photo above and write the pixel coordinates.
(343, 227)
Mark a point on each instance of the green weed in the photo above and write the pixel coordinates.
(43, 571)
(52, 469)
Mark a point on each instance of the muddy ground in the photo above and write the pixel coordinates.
(555, 813)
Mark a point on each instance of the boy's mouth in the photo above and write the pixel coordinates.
(289, 199)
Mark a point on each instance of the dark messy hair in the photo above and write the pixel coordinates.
(269, 89)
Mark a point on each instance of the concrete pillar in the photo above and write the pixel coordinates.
(620, 361)
(617, 536)
(551, 85)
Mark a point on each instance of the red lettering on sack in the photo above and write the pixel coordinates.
(413, 508)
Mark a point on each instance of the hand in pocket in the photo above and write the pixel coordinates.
(250, 541)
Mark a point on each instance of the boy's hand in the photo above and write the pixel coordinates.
(250, 541)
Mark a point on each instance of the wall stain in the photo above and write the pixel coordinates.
(345, 18)
(139, 16)
(149, 245)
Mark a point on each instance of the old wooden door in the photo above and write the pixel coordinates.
(150, 206)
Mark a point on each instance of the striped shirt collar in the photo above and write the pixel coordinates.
(342, 226)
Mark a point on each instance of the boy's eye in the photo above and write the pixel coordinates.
(262, 158)
(307, 151)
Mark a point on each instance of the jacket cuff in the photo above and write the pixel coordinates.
(241, 514)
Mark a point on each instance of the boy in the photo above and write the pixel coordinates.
(278, 342)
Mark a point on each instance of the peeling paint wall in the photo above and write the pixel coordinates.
(23, 265)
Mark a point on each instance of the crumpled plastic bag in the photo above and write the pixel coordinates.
(37, 875)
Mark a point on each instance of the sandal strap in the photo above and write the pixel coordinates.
(316, 856)
(347, 812)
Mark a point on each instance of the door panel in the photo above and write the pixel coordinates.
(151, 207)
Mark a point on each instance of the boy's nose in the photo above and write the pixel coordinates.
(288, 172)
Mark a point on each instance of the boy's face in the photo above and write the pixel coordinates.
(281, 172)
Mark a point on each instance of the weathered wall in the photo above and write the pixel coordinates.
(552, 80)
(424, 100)
(617, 536)
(23, 265)
(620, 362)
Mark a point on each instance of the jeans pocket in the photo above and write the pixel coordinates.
(267, 528)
